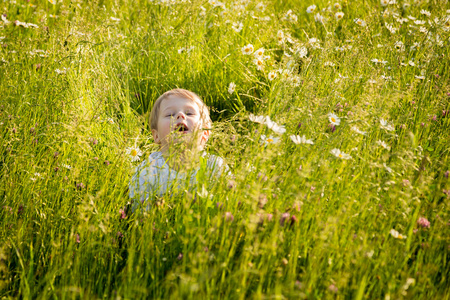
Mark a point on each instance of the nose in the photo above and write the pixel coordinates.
(181, 115)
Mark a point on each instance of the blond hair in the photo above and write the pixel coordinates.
(182, 93)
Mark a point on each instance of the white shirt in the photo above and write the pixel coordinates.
(154, 177)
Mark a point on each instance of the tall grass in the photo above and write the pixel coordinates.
(295, 221)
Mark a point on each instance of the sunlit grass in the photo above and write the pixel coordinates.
(343, 216)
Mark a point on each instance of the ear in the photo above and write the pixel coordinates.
(205, 136)
(156, 136)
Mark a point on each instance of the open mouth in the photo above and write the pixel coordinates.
(181, 128)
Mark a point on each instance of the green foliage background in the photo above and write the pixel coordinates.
(76, 93)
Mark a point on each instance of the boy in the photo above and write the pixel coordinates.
(180, 124)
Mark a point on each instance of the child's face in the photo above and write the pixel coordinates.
(179, 120)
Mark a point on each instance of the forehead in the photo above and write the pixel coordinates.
(177, 102)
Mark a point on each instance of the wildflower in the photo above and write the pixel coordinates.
(302, 52)
(310, 9)
(319, 18)
(237, 26)
(291, 17)
(315, 43)
(397, 235)
(259, 53)
(329, 64)
(334, 120)
(391, 28)
(260, 6)
(274, 126)
(339, 154)
(257, 119)
(284, 217)
(383, 144)
(446, 174)
(259, 63)
(248, 49)
(356, 129)
(423, 222)
(293, 220)
(59, 72)
(360, 22)
(280, 36)
(425, 12)
(399, 46)
(272, 75)
(269, 140)
(385, 125)
(80, 186)
(123, 214)
(387, 168)
(339, 15)
(337, 6)
(300, 140)
(384, 2)
(115, 19)
(77, 239)
(419, 77)
(134, 153)
(229, 216)
(231, 88)
(68, 167)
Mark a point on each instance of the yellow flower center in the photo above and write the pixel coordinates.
(333, 119)
(133, 152)
(340, 155)
(269, 140)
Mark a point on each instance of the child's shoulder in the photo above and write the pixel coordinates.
(217, 164)
(154, 159)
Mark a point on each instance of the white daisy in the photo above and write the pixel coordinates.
(311, 9)
(360, 22)
(134, 153)
(237, 26)
(397, 235)
(274, 126)
(319, 18)
(272, 75)
(259, 53)
(356, 129)
(257, 119)
(384, 2)
(337, 6)
(69, 167)
(248, 49)
(280, 36)
(231, 88)
(302, 52)
(339, 154)
(300, 140)
(339, 15)
(334, 119)
(383, 144)
(387, 168)
(269, 140)
(425, 12)
(385, 125)
(259, 62)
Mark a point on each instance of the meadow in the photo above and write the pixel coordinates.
(334, 118)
